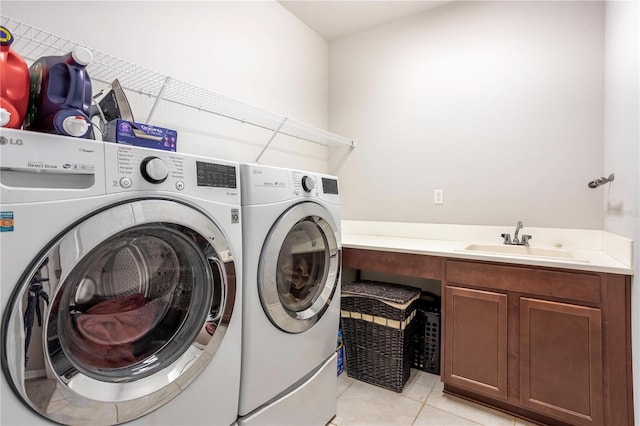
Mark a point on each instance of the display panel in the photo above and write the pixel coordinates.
(216, 175)
(330, 186)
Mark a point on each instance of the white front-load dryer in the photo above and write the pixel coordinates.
(120, 272)
(292, 260)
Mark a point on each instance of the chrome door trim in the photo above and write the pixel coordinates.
(78, 398)
(284, 319)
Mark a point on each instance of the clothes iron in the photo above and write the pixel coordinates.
(109, 104)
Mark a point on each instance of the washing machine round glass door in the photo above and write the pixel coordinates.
(134, 301)
(299, 267)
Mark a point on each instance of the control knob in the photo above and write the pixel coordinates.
(154, 170)
(308, 184)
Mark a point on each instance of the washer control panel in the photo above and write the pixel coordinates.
(136, 166)
(130, 168)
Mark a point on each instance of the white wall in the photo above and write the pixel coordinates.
(498, 103)
(622, 145)
(256, 52)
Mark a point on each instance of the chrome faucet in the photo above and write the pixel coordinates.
(519, 226)
(516, 241)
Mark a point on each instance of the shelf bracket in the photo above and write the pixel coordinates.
(335, 165)
(273, 136)
(158, 98)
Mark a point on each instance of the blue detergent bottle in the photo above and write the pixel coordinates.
(60, 94)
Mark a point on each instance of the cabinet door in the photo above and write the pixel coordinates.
(476, 341)
(561, 360)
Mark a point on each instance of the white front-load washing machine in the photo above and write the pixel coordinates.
(292, 260)
(120, 273)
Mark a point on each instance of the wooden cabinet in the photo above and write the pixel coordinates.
(549, 345)
(561, 360)
(476, 340)
(548, 351)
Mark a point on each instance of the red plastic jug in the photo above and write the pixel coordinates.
(60, 94)
(14, 83)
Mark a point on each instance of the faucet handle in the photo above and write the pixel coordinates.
(507, 238)
(525, 239)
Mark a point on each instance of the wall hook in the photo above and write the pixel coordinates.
(601, 181)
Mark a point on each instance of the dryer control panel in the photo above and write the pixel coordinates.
(264, 184)
(304, 183)
(131, 168)
(315, 185)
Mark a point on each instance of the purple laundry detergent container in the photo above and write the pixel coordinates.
(60, 94)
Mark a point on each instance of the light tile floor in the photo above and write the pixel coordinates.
(421, 403)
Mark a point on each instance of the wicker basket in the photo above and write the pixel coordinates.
(377, 323)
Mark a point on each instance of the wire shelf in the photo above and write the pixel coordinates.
(32, 43)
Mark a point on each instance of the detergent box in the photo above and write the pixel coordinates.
(139, 134)
(340, 352)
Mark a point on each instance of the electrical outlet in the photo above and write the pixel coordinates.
(438, 196)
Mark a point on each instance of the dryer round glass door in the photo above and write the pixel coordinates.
(299, 267)
(134, 302)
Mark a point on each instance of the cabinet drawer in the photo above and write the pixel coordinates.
(577, 287)
(414, 265)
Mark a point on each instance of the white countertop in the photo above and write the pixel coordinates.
(590, 250)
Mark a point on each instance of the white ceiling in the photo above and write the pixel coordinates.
(333, 19)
